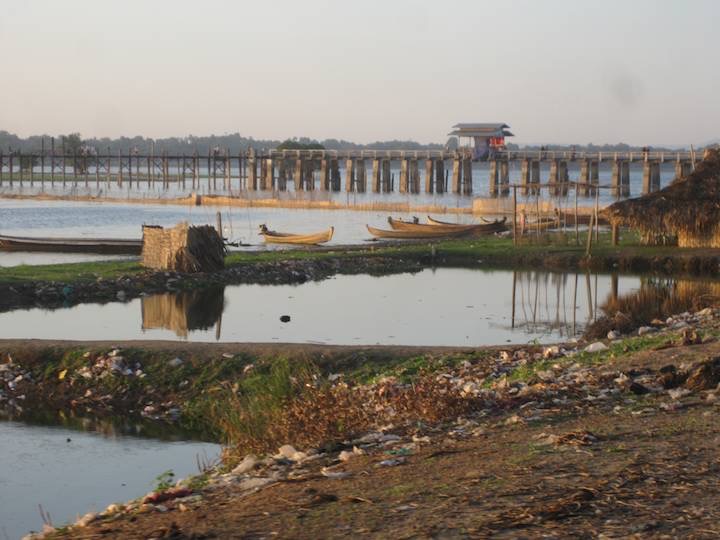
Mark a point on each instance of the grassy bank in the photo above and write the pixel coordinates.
(551, 251)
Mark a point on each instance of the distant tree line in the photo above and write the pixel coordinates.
(235, 143)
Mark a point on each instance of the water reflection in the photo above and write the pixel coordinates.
(547, 303)
(445, 306)
(659, 297)
(185, 311)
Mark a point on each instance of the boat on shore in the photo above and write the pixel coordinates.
(417, 234)
(499, 224)
(110, 246)
(477, 228)
(582, 219)
(273, 237)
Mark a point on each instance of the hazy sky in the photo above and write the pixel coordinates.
(575, 71)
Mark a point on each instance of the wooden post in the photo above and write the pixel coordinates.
(577, 229)
(75, 168)
(537, 214)
(414, 176)
(590, 235)
(386, 176)
(52, 162)
(130, 174)
(64, 168)
(252, 171)
(42, 161)
(429, 176)
(120, 169)
(597, 215)
(403, 175)
(514, 188)
(335, 174)
(494, 173)
(218, 223)
(325, 174)
(212, 162)
(2, 164)
(32, 170)
(440, 176)
(615, 234)
(457, 170)
(299, 174)
(349, 174)
(504, 179)
(467, 177)
(361, 174)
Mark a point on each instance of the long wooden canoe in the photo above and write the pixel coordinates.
(494, 222)
(272, 237)
(478, 228)
(71, 245)
(583, 219)
(417, 234)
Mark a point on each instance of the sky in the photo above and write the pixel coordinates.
(557, 71)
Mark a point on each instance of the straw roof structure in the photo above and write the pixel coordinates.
(687, 212)
(183, 248)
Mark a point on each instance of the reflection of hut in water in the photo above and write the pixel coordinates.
(686, 213)
(660, 297)
(657, 298)
(184, 312)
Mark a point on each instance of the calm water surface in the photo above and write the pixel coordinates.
(40, 466)
(444, 306)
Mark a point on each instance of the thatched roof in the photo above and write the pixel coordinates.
(689, 206)
(183, 248)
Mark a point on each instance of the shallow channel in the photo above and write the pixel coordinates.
(70, 472)
(444, 306)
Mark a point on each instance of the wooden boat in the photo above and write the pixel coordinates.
(583, 219)
(433, 221)
(420, 234)
(71, 245)
(487, 228)
(273, 237)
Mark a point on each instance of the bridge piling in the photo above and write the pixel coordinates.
(324, 175)
(467, 186)
(350, 175)
(361, 175)
(429, 169)
(403, 174)
(335, 174)
(651, 177)
(376, 175)
(440, 180)
(457, 170)
(386, 176)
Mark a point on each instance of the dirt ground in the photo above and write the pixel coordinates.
(638, 465)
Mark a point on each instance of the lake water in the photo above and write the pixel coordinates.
(116, 220)
(72, 472)
(481, 184)
(444, 306)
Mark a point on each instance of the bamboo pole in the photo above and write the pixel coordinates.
(514, 237)
(590, 234)
(577, 229)
(597, 215)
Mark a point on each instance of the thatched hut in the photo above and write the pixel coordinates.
(686, 213)
(183, 248)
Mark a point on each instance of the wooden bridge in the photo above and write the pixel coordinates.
(443, 171)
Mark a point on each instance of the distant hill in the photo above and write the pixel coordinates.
(235, 143)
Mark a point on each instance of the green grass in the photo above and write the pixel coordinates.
(489, 250)
(70, 273)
